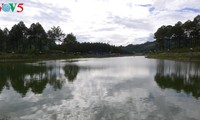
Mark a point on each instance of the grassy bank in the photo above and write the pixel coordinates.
(189, 56)
(13, 57)
(186, 54)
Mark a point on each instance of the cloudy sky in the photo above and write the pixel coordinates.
(118, 22)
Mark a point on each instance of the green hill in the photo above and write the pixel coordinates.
(144, 48)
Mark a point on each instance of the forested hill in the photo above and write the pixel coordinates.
(141, 48)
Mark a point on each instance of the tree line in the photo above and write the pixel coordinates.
(181, 35)
(22, 39)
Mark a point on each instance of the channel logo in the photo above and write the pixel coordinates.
(11, 7)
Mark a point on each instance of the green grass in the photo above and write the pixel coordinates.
(179, 56)
(181, 50)
(13, 57)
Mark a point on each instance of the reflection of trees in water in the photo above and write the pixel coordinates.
(55, 77)
(71, 72)
(23, 77)
(179, 76)
(37, 86)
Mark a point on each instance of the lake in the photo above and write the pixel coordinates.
(118, 88)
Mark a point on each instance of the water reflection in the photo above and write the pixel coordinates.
(180, 76)
(71, 72)
(119, 88)
(35, 77)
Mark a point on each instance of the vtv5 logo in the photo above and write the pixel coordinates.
(11, 7)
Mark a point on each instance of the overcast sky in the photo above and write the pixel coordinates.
(118, 22)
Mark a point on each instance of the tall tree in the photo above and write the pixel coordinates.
(17, 36)
(70, 43)
(189, 33)
(2, 40)
(159, 35)
(178, 35)
(197, 29)
(6, 37)
(37, 37)
(55, 35)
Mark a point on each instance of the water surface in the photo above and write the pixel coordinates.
(120, 88)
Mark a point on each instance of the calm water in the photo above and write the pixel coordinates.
(121, 88)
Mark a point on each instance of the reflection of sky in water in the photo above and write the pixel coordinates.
(104, 89)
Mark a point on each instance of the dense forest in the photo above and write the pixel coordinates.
(179, 36)
(35, 39)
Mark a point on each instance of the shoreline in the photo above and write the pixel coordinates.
(190, 56)
(30, 57)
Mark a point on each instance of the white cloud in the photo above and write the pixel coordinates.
(118, 22)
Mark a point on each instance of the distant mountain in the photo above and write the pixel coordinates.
(141, 48)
